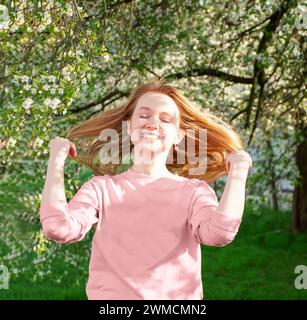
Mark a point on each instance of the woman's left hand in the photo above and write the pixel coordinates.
(240, 159)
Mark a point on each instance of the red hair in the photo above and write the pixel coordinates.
(221, 137)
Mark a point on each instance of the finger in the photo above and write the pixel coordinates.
(73, 153)
(73, 150)
(227, 165)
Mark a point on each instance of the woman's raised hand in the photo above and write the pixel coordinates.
(62, 148)
(240, 159)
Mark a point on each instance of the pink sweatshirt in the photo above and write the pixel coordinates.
(148, 234)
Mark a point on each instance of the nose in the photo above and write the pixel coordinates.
(152, 123)
(151, 126)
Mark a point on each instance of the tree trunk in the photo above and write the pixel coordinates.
(299, 210)
(273, 181)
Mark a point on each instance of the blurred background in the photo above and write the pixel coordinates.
(62, 62)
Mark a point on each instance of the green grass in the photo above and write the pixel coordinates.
(26, 290)
(258, 264)
(46, 288)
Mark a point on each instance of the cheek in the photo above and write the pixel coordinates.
(135, 131)
(170, 133)
(133, 124)
(137, 123)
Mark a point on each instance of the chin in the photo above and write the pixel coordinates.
(153, 148)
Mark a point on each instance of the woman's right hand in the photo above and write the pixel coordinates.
(62, 147)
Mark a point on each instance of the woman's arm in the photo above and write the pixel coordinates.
(61, 221)
(233, 198)
(54, 190)
(54, 184)
(216, 223)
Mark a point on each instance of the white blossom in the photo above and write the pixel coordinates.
(52, 78)
(46, 86)
(301, 17)
(27, 87)
(41, 28)
(11, 141)
(65, 71)
(27, 103)
(79, 53)
(47, 18)
(52, 103)
(69, 10)
(106, 57)
(20, 19)
(25, 79)
(38, 141)
(4, 25)
(5, 20)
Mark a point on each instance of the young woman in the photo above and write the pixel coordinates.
(150, 219)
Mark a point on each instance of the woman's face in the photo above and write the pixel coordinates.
(154, 124)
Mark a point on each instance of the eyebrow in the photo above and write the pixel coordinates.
(147, 108)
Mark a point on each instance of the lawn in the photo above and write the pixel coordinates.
(258, 264)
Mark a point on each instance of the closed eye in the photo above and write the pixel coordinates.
(143, 116)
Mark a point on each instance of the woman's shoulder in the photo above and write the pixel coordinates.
(108, 177)
(195, 181)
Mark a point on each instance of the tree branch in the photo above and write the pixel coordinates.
(259, 74)
(202, 71)
(101, 101)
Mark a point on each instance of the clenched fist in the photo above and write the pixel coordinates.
(240, 159)
(62, 147)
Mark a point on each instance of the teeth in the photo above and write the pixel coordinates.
(148, 135)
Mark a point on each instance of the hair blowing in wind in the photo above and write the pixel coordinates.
(221, 138)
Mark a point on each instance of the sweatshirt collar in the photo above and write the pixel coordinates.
(145, 177)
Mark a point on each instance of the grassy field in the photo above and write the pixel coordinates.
(258, 264)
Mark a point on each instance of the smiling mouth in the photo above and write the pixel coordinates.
(150, 136)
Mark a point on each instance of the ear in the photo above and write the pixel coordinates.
(180, 135)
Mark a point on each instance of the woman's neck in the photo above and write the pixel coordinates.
(151, 170)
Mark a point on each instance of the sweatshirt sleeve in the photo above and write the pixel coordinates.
(69, 222)
(207, 225)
